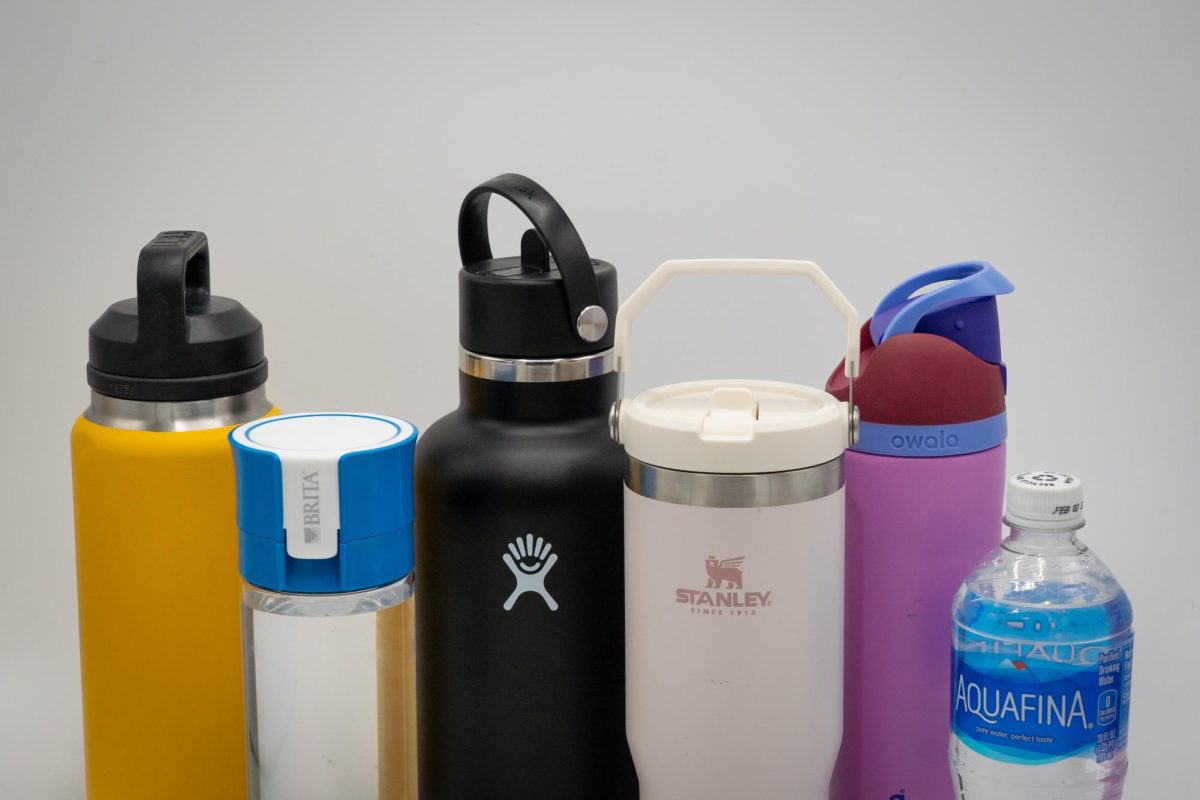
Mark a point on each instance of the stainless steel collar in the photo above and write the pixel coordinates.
(535, 370)
(190, 415)
(726, 490)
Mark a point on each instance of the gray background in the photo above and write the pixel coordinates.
(325, 149)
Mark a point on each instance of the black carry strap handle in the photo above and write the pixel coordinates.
(553, 227)
(172, 277)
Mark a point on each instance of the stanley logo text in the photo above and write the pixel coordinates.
(723, 593)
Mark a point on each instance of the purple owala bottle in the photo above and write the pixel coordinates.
(924, 491)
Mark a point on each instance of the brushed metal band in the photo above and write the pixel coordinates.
(535, 370)
(732, 490)
(190, 415)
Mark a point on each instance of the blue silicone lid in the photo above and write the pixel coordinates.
(324, 501)
(963, 310)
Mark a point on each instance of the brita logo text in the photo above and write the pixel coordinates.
(992, 705)
(310, 496)
(940, 440)
(723, 593)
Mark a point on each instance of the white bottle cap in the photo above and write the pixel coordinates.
(734, 426)
(1044, 501)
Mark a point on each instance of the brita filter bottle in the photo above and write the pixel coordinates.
(520, 659)
(1043, 658)
(734, 528)
(171, 371)
(924, 487)
(325, 513)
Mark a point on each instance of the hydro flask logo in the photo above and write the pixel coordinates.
(723, 593)
(897, 796)
(530, 561)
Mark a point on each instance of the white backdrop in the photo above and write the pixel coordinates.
(325, 147)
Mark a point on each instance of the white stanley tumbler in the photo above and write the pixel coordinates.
(734, 540)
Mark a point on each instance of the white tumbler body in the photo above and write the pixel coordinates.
(734, 626)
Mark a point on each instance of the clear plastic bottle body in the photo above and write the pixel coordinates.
(1043, 646)
(330, 694)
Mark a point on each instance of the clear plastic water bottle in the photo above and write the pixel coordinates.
(1043, 654)
(325, 517)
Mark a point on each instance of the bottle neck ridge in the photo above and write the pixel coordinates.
(1045, 542)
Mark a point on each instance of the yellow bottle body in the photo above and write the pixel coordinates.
(159, 614)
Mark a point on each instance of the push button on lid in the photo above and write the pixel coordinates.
(732, 414)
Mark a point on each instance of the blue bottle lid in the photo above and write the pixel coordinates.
(324, 501)
(932, 381)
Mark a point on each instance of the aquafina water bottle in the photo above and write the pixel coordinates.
(1043, 653)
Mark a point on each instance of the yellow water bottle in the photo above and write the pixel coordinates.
(156, 540)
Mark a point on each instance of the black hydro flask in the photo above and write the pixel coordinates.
(520, 641)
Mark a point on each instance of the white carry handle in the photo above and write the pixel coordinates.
(734, 266)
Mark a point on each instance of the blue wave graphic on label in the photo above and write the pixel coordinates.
(1033, 703)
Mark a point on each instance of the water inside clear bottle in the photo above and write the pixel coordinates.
(330, 694)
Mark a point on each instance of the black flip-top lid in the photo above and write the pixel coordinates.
(175, 341)
(531, 306)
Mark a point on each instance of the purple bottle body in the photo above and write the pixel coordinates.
(914, 528)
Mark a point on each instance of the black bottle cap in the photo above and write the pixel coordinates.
(531, 306)
(175, 341)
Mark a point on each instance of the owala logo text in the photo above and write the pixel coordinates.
(723, 594)
(530, 561)
(926, 441)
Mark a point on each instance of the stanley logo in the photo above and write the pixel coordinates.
(723, 593)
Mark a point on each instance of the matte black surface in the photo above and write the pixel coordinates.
(175, 341)
(524, 306)
(527, 704)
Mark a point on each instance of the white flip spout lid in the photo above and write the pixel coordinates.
(734, 426)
